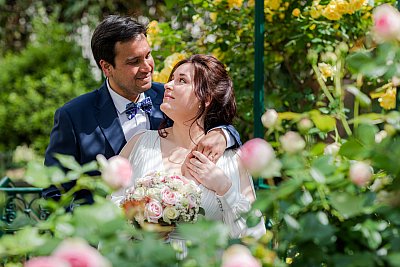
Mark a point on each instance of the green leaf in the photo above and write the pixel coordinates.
(356, 60)
(353, 149)
(366, 134)
(324, 164)
(346, 204)
(69, 162)
(36, 175)
(325, 123)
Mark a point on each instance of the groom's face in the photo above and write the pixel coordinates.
(133, 68)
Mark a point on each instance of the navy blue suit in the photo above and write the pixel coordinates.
(88, 125)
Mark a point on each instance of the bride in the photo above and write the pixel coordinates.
(198, 97)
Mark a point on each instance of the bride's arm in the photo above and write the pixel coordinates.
(237, 201)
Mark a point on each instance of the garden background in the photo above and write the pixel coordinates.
(328, 177)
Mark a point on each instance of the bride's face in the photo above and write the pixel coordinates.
(180, 102)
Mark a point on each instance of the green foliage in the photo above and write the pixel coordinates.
(103, 225)
(43, 76)
(227, 31)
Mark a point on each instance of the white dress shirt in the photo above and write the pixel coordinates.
(137, 124)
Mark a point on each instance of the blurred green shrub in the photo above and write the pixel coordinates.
(43, 76)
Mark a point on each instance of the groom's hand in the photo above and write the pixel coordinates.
(212, 145)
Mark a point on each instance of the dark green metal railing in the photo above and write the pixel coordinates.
(19, 205)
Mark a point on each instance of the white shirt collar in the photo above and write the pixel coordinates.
(120, 102)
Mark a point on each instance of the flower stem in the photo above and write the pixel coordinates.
(322, 84)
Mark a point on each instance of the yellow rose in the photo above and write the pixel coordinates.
(355, 5)
(388, 99)
(296, 12)
(272, 4)
(235, 3)
(330, 12)
(342, 6)
(315, 13)
(213, 16)
(251, 3)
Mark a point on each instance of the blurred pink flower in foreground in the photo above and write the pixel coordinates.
(116, 171)
(46, 262)
(258, 157)
(360, 173)
(80, 254)
(239, 256)
(386, 23)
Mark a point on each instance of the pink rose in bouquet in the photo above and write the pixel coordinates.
(162, 199)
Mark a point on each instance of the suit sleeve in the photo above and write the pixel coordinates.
(236, 137)
(62, 138)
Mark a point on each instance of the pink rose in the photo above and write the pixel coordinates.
(116, 172)
(153, 211)
(258, 157)
(239, 256)
(168, 196)
(49, 261)
(386, 23)
(79, 254)
(360, 173)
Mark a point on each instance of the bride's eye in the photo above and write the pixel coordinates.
(181, 80)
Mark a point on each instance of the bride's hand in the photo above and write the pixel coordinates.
(207, 173)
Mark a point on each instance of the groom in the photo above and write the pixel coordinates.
(101, 122)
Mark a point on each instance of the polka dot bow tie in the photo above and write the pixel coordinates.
(132, 108)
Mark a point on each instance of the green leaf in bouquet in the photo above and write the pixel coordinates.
(346, 204)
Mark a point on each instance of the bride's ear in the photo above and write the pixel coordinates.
(208, 102)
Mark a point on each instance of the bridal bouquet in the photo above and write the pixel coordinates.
(162, 199)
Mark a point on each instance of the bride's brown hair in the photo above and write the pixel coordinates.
(212, 85)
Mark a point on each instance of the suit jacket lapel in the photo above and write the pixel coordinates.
(156, 93)
(107, 118)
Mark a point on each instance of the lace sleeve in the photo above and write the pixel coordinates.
(237, 201)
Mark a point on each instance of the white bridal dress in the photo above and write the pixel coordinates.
(146, 157)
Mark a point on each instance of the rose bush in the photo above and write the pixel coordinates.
(337, 200)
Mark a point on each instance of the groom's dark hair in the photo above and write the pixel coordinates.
(113, 29)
